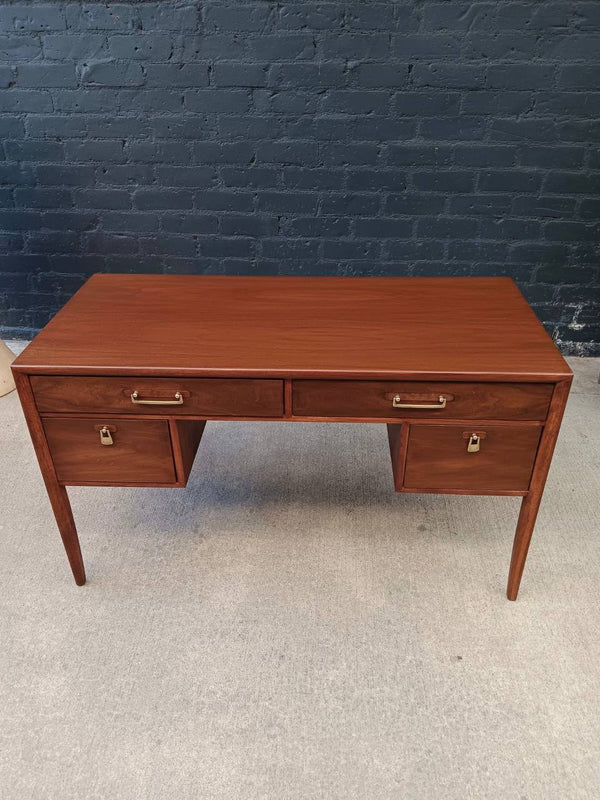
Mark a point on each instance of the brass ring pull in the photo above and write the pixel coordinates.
(177, 401)
(397, 403)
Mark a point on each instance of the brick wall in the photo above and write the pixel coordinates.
(387, 138)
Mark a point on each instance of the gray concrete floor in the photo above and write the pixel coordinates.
(288, 628)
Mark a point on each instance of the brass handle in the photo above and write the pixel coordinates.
(474, 443)
(106, 436)
(397, 403)
(178, 401)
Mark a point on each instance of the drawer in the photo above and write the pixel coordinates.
(173, 396)
(438, 459)
(503, 401)
(140, 451)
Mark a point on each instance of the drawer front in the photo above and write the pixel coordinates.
(522, 401)
(199, 396)
(438, 458)
(140, 451)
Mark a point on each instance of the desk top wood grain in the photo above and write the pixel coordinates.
(447, 328)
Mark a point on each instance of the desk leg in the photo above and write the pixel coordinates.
(57, 493)
(61, 506)
(531, 502)
(398, 440)
(525, 526)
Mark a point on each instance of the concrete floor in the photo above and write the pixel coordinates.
(288, 628)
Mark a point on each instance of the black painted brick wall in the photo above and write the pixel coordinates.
(396, 138)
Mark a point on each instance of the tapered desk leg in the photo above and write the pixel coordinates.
(525, 525)
(57, 493)
(531, 502)
(398, 439)
(61, 506)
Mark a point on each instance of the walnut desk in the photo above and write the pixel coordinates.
(118, 387)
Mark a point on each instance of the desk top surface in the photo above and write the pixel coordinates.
(449, 328)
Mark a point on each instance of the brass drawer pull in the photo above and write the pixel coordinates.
(177, 401)
(474, 443)
(397, 403)
(106, 436)
(474, 439)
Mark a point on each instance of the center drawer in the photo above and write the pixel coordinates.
(413, 399)
(173, 396)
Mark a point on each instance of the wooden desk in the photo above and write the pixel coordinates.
(118, 387)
